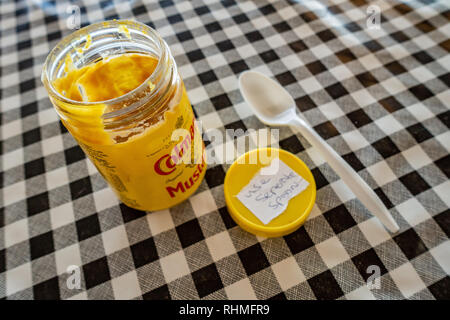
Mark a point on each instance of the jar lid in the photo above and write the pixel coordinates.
(242, 171)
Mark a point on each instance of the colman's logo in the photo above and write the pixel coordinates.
(167, 163)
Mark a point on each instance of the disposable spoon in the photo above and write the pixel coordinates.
(274, 106)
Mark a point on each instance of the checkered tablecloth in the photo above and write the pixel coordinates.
(379, 97)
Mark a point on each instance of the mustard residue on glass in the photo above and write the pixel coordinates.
(107, 79)
(88, 42)
(124, 30)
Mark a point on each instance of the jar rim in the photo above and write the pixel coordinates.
(87, 30)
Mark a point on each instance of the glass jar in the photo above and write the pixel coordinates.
(145, 143)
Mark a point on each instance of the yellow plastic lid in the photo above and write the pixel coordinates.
(239, 175)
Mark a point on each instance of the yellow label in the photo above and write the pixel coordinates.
(151, 170)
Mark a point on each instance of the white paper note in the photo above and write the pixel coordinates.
(268, 195)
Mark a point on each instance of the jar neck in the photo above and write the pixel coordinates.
(99, 41)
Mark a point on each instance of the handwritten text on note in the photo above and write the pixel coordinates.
(267, 196)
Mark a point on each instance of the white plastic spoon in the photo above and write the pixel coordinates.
(274, 106)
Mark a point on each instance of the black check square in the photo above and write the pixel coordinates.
(286, 78)
(202, 10)
(254, 36)
(226, 218)
(189, 233)
(421, 92)
(399, 36)
(298, 46)
(339, 218)
(327, 130)
(391, 104)
(384, 198)
(445, 118)
(238, 128)
(319, 178)
(414, 183)
(345, 55)
(96, 272)
(425, 26)
(309, 16)
(207, 280)
(41, 245)
(445, 78)
(352, 27)
(298, 240)
(353, 161)
(195, 55)
(359, 118)
(225, 45)
(2, 260)
(443, 220)
(215, 176)
(282, 27)
(253, 259)
(366, 79)
(213, 27)
(160, 293)
(373, 46)
(166, 3)
(305, 103)
(410, 243)
(175, 18)
(336, 91)
(326, 35)
(239, 66)
(316, 67)
(267, 9)
(56, 35)
(395, 68)
(325, 286)
(292, 144)
(419, 132)
(34, 168)
(130, 214)
(240, 18)
(386, 147)
(144, 252)
(23, 45)
(444, 164)
(28, 109)
(27, 85)
(368, 258)
(31, 137)
(47, 290)
(38, 203)
(207, 77)
(269, 56)
(221, 101)
(80, 188)
(74, 154)
(184, 36)
(139, 10)
(25, 64)
(88, 227)
(440, 289)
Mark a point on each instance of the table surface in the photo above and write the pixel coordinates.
(379, 97)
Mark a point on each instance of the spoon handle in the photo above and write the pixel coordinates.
(351, 178)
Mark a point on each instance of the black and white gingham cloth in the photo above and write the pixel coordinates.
(379, 97)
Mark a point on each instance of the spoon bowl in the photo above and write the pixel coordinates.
(270, 102)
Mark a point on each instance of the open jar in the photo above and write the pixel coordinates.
(144, 142)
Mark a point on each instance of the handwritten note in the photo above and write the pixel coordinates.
(267, 196)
